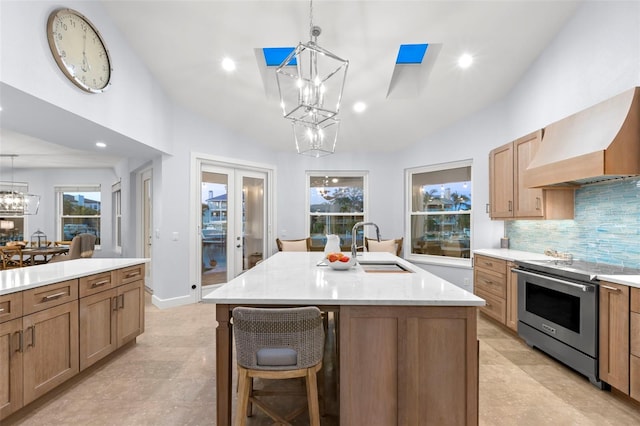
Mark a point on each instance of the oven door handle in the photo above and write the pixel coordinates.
(582, 287)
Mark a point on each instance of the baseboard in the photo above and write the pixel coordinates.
(173, 302)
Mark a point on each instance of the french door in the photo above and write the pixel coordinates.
(233, 228)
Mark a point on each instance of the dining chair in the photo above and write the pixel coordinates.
(390, 246)
(277, 344)
(303, 244)
(82, 246)
(11, 257)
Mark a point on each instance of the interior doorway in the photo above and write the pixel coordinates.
(146, 203)
(233, 223)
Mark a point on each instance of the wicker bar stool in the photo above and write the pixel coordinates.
(277, 343)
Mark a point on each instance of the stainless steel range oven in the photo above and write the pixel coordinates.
(558, 310)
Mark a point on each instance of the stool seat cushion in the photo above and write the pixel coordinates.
(276, 357)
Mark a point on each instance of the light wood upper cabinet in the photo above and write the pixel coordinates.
(614, 335)
(509, 198)
(501, 182)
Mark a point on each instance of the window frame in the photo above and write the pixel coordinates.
(409, 214)
(59, 196)
(116, 206)
(336, 173)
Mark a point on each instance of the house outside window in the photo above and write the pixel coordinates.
(79, 211)
(336, 201)
(439, 211)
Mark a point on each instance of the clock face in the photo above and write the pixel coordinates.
(79, 50)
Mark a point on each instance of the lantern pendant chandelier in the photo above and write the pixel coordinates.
(16, 203)
(311, 81)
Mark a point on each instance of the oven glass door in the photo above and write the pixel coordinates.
(563, 309)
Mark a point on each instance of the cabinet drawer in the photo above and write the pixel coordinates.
(491, 283)
(96, 283)
(495, 307)
(490, 263)
(634, 328)
(10, 306)
(130, 274)
(44, 297)
(635, 300)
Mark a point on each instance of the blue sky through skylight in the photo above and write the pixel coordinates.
(411, 53)
(274, 56)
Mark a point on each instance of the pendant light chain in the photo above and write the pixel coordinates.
(311, 19)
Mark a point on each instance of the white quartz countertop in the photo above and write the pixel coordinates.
(514, 255)
(294, 278)
(19, 279)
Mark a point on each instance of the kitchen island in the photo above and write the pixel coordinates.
(408, 349)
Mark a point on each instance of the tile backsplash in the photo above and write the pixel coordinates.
(605, 229)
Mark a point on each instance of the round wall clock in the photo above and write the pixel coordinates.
(79, 50)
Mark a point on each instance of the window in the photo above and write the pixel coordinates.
(79, 210)
(440, 210)
(336, 201)
(116, 203)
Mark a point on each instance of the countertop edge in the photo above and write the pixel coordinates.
(55, 272)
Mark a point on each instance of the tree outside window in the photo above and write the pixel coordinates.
(336, 203)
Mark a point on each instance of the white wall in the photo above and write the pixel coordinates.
(596, 56)
(28, 65)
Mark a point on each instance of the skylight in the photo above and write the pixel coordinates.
(274, 56)
(410, 53)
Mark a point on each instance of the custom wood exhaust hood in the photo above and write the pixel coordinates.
(597, 144)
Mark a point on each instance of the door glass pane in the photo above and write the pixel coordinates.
(214, 228)
(252, 221)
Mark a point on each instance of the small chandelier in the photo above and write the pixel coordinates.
(316, 140)
(16, 203)
(310, 81)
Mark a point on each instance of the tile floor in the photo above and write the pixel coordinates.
(168, 378)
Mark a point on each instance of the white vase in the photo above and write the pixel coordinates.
(333, 244)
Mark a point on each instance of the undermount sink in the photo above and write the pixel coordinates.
(377, 266)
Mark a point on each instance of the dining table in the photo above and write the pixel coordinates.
(40, 255)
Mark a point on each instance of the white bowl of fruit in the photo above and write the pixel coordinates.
(340, 261)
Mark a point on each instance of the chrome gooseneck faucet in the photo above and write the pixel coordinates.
(354, 246)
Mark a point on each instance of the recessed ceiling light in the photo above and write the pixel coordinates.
(465, 60)
(359, 106)
(228, 64)
(101, 144)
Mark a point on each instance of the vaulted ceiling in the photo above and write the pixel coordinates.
(183, 43)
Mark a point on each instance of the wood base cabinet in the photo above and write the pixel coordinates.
(408, 365)
(49, 333)
(10, 367)
(111, 316)
(634, 361)
(614, 335)
(39, 349)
